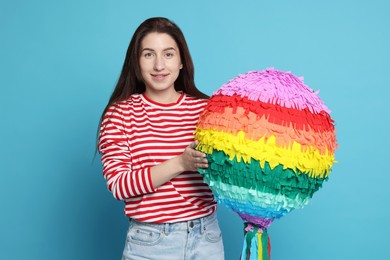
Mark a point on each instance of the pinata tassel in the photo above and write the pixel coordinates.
(257, 244)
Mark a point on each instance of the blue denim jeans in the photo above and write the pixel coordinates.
(198, 239)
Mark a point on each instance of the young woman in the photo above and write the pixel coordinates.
(147, 146)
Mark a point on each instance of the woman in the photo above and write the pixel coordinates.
(147, 146)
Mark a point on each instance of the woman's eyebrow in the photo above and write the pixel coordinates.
(166, 49)
(169, 49)
(147, 49)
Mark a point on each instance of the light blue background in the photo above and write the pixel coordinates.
(59, 61)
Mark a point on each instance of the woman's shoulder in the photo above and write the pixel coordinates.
(133, 99)
(195, 100)
(124, 106)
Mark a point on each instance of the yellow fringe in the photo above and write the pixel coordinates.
(310, 161)
(260, 247)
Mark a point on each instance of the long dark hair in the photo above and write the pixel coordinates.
(130, 80)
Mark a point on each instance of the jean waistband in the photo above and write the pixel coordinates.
(194, 224)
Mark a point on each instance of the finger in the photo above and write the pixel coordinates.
(192, 145)
(197, 160)
(202, 165)
(200, 161)
(198, 154)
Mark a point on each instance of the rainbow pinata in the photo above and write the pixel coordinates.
(270, 143)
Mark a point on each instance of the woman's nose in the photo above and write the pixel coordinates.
(159, 63)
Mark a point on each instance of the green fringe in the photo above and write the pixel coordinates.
(291, 184)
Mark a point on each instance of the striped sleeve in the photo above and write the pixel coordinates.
(116, 158)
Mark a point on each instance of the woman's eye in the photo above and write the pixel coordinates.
(148, 55)
(169, 55)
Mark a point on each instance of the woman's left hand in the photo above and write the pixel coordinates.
(192, 159)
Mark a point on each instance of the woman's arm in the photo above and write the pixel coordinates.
(122, 180)
(189, 160)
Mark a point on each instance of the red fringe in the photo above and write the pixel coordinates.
(276, 114)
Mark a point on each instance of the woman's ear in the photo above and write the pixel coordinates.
(181, 66)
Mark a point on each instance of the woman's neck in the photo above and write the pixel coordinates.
(163, 97)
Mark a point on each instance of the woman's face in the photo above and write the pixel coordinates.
(160, 63)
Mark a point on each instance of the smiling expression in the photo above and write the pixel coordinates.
(160, 63)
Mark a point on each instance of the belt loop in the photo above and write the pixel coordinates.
(202, 225)
(166, 228)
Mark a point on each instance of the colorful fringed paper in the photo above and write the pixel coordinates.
(270, 143)
(257, 243)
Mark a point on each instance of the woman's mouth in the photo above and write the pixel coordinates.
(159, 77)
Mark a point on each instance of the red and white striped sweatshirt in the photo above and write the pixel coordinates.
(139, 133)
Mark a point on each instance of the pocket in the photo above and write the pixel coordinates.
(145, 235)
(213, 232)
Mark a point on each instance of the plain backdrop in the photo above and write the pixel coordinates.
(59, 62)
